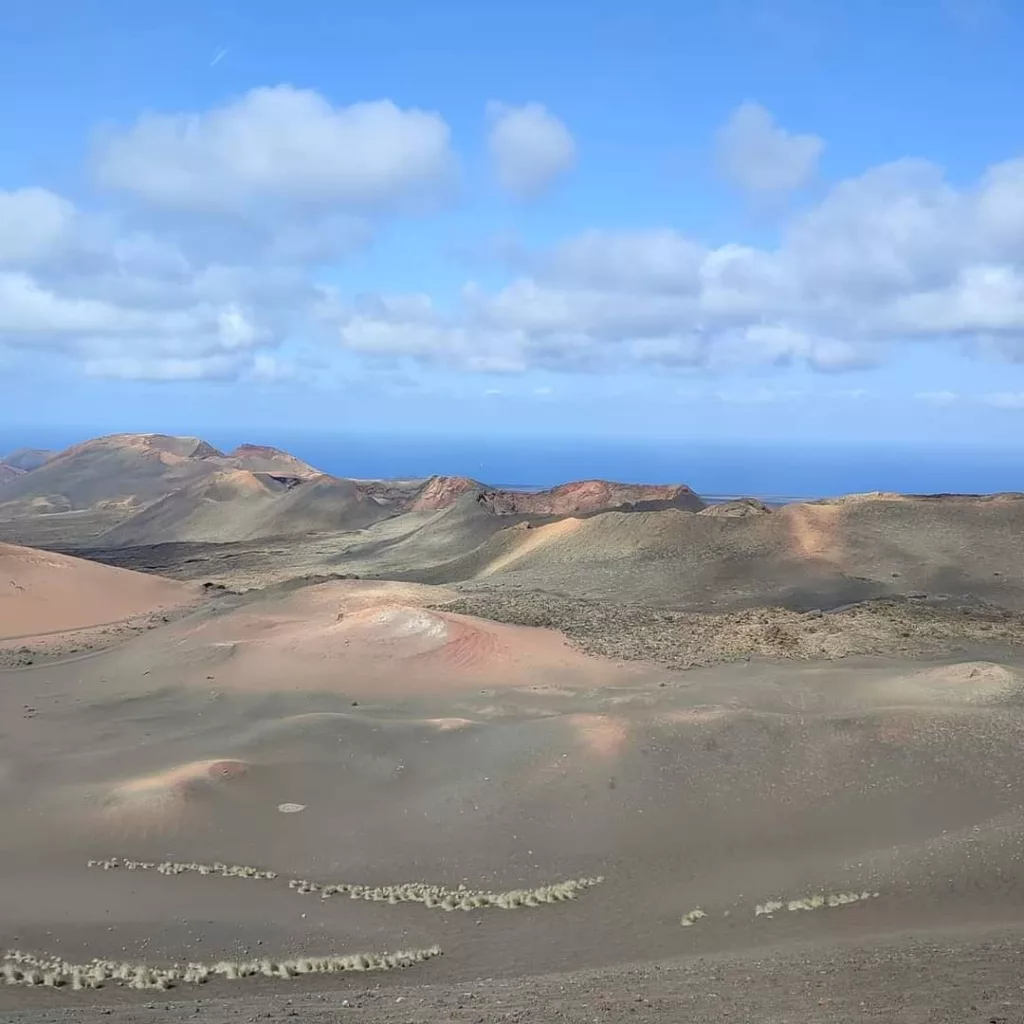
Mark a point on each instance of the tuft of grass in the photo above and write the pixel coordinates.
(433, 896)
(691, 917)
(168, 867)
(30, 969)
(815, 901)
(444, 898)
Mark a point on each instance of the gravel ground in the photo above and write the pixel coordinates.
(682, 640)
(939, 979)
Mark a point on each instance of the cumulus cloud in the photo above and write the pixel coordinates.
(127, 303)
(211, 265)
(756, 154)
(529, 148)
(35, 224)
(213, 268)
(896, 255)
(278, 144)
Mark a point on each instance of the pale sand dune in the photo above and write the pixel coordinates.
(162, 798)
(357, 638)
(44, 593)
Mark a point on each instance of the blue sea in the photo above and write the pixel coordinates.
(775, 471)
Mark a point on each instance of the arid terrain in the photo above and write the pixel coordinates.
(276, 744)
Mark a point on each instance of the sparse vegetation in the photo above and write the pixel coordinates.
(433, 896)
(817, 901)
(30, 969)
(443, 898)
(691, 917)
(684, 639)
(182, 867)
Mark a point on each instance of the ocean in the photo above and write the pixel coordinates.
(773, 472)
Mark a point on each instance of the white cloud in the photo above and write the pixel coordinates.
(755, 154)
(940, 398)
(529, 147)
(213, 263)
(170, 369)
(34, 225)
(278, 144)
(126, 303)
(654, 259)
(896, 255)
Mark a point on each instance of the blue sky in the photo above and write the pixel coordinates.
(752, 219)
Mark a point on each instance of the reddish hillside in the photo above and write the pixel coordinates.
(443, 491)
(585, 496)
(42, 593)
(137, 467)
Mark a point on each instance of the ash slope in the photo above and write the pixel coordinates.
(802, 556)
(719, 789)
(243, 505)
(805, 557)
(44, 593)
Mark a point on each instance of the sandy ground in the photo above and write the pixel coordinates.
(52, 604)
(47, 593)
(820, 819)
(848, 830)
(967, 975)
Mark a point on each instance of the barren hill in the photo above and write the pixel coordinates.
(45, 593)
(259, 458)
(139, 468)
(133, 467)
(443, 491)
(803, 555)
(235, 505)
(8, 473)
(181, 487)
(585, 496)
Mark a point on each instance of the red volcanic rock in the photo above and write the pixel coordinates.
(585, 496)
(442, 491)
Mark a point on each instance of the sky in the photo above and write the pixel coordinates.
(799, 220)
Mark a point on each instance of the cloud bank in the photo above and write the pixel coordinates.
(203, 259)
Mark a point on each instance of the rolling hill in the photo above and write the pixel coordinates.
(236, 505)
(43, 593)
(807, 555)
